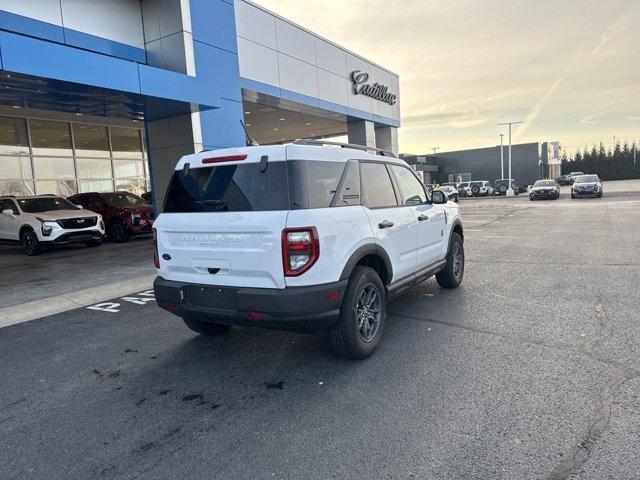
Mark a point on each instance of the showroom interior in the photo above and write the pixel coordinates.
(97, 97)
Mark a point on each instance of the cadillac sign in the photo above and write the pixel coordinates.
(377, 91)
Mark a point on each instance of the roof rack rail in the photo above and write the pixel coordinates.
(319, 143)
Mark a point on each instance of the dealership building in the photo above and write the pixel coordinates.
(108, 95)
(529, 162)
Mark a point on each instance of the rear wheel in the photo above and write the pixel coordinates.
(451, 276)
(362, 315)
(30, 243)
(205, 328)
(118, 232)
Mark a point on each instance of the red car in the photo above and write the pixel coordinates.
(124, 213)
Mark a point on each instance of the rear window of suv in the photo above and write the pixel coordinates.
(229, 188)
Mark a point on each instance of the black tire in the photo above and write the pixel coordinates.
(573, 196)
(349, 337)
(30, 242)
(118, 232)
(475, 190)
(531, 198)
(451, 276)
(600, 195)
(93, 243)
(205, 328)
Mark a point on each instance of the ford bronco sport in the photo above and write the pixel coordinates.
(301, 237)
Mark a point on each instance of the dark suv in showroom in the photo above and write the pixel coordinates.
(124, 213)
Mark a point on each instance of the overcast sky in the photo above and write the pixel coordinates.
(569, 68)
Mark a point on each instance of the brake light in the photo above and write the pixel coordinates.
(228, 158)
(300, 250)
(154, 242)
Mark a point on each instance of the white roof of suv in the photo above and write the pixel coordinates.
(283, 152)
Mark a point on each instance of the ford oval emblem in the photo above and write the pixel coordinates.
(166, 256)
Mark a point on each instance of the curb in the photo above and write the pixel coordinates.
(35, 309)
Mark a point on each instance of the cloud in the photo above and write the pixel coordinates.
(593, 118)
(455, 119)
(633, 118)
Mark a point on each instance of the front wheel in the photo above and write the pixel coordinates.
(451, 275)
(205, 328)
(30, 243)
(118, 232)
(362, 315)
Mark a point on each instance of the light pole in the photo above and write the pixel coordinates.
(435, 149)
(501, 155)
(510, 189)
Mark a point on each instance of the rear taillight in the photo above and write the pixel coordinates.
(300, 250)
(154, 242)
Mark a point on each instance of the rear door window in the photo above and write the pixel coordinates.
(349, 189)
(229, 188)
(377, 185)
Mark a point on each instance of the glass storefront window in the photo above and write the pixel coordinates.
(16, 188)
(17, 167)
(93, 168)
(91, 140)
(54, 168)
(85, 186)
(126, 142)
(64, 188)
(50, 138)
(133, 185)
(128, 168)
(13, 135)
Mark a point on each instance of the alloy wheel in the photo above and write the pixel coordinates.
(457, 259)
(368, 312)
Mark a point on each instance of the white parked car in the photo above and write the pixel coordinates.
(45, 220)
(301, 237)
(480, 188)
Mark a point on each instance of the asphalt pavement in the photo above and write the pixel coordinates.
(531, 369)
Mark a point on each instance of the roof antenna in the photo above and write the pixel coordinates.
(250, 141)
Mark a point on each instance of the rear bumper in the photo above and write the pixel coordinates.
(292, 308)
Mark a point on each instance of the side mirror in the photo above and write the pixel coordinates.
(439, 197)
(7, 211)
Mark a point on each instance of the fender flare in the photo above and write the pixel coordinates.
(24, 227)
(363, 251)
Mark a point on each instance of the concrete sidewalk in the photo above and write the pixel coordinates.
(68, 277)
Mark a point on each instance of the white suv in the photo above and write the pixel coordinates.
(480, 188)
(300, 237)
(47, 220)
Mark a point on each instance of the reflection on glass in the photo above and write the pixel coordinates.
(91, 140)
(13, 135)
(50, 138)
(128, 168)
(15, 167)
(64, 188)
(133, 185)
(54, 167)
(93, 168)
(85, 186)
(17, 189)
(126, 142)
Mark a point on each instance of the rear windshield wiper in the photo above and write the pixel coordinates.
(221, 204)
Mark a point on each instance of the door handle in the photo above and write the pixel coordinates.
(423, 217)
(385, 224)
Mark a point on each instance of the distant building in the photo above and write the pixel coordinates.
(529, 162)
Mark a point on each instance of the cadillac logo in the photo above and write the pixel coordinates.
(377, 91)
(80, 220)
